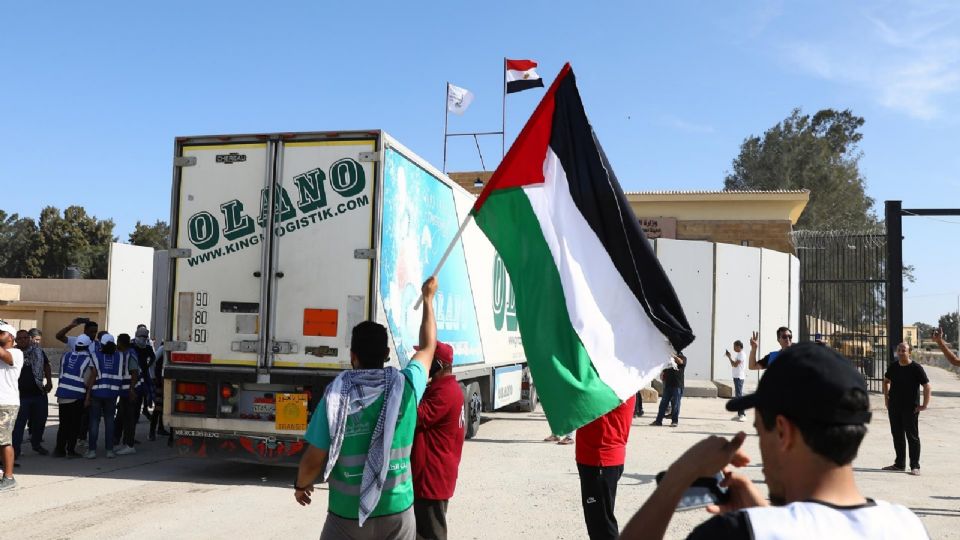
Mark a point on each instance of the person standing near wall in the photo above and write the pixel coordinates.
(738, 363)
(672, 391)
(33, 395)
(901, 395)
(784, 338)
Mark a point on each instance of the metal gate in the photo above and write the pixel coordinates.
(843, 296)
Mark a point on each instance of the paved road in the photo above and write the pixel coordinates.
(512, 485)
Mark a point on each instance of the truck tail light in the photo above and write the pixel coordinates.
(194, 407)
(190, 397)
(227, 391)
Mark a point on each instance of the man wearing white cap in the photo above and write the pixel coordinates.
(11, 361)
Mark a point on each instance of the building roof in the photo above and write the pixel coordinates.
(716, 204)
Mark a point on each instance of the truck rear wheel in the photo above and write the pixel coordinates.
(472, 406)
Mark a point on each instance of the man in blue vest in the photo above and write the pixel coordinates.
(361, 435)
(77, 375)
(102, 399)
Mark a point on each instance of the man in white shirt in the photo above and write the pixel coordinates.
(90, 328)
(11, 361)
(807, 447)
(738, 363)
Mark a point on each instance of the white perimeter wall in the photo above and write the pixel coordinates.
(774, 297)
(689, 264)
(129, 288)
(737, 302)
(727, 292)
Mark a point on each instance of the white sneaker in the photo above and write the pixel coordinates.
(91, 454)
(126, 450)
(111, 454)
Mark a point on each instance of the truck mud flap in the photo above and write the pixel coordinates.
(269, 450)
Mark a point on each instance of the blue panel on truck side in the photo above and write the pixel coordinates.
(419, 221)
(508, 382)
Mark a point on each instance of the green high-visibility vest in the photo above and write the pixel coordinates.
(347, 474)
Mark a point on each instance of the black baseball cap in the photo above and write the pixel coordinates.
(807, 384)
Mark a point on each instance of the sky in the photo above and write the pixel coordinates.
(92, 94)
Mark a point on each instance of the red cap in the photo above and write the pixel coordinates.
(443, 353)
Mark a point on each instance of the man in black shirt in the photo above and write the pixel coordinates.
(672, 391)
(807, 448)
(901, 395)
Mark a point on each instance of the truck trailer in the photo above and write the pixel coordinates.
(280, 244)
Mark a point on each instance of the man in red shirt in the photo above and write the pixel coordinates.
(601, 449)
(437, 445)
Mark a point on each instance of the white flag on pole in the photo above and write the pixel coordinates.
(458, 99)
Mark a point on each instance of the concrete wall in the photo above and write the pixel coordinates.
(53, 303)
(736, 303)
(774, 297)
(690, 268)
(727, 292)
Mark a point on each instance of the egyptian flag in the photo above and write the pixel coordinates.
(597, 314)
(522, 75)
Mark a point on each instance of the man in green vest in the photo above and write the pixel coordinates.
(361, 435)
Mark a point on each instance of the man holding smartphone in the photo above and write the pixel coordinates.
(807, 448)
(947, 353)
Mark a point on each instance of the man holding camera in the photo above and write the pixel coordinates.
(807, 448)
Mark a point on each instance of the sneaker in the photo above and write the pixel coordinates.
(893, 468)
(674, 424)
(111, 454)
(7, 483)
(915, 472)
(126, 450)
(42, 451)
(91, 454)
(655, 423)
(742, 418)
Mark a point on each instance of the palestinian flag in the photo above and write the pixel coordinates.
(522, 75)
(598, 316)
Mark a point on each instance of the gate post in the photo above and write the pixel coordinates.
(893, 216)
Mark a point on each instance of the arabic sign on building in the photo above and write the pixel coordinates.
(659, 227)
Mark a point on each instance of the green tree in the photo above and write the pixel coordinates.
(818, 153)
(156, 236)
(948, 322)
(923, 329)
(21, 249)
(74, 239)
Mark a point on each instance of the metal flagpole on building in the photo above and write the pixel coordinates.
(446, 115)
(503, 113)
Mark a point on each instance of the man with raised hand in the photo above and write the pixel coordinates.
(361, 435)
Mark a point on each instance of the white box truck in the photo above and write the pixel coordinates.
(281, 243)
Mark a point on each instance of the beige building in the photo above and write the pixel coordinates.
(748, 218)
(50, 304)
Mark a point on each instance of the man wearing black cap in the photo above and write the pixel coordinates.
(807, 447)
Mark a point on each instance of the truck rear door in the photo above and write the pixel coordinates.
(323, 249)
(216, 286)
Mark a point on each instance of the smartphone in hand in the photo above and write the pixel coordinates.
(704, 491)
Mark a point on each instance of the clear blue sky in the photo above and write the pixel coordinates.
(93, 93)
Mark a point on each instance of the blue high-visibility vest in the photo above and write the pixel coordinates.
(109, 375)
(72, 367)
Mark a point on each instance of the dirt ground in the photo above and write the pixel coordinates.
(512, 485)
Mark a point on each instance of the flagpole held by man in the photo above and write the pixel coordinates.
(361, 435)
(589, 289)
